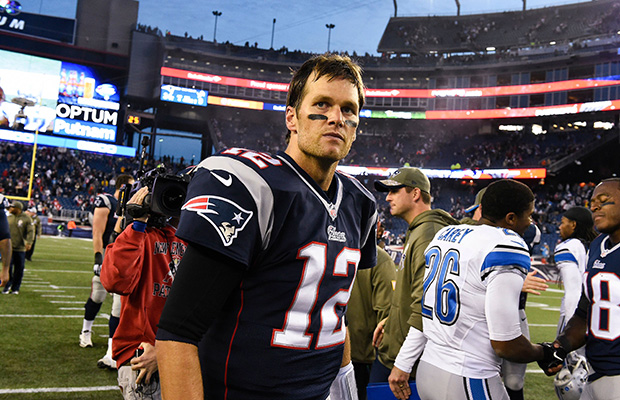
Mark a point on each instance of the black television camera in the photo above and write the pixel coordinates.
(166, 192)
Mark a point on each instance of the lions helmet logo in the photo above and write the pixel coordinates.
(227, 217)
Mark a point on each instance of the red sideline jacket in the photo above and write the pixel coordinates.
(140, 265)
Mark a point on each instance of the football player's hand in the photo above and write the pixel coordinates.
(146, 363)
(533, 284)
(377, 335)
(97, 264)
(553, 358)
(399, 384)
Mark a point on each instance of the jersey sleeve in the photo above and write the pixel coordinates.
(220, 213)
(123, 261)
(564, 256)
(102, 201)
(510, 254)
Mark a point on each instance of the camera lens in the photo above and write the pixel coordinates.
(172, 198)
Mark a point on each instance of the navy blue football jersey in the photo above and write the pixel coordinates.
(108, 201)
(602, 287)
(5, 232)
(281, 333)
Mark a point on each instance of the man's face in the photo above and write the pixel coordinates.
(13, 210)
(523, 221)
(567, 227)
(400, 201)
(605, 206)
(324, 125)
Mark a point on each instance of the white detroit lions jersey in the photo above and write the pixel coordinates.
(461, 260)
(571, 253)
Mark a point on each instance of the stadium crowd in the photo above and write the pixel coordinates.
(70, 179)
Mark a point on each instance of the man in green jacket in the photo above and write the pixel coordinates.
(408, 193)
(368, 305)
(22, 235)
(32, 212)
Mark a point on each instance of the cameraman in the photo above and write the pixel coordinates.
(140, 266)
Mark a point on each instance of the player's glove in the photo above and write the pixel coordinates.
(98, 262)
(552, 356)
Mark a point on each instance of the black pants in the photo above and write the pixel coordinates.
(29, 252)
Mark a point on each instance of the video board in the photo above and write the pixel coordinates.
(57, 98)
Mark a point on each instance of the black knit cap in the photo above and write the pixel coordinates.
(581, 215)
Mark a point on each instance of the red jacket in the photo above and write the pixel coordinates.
(140, 265)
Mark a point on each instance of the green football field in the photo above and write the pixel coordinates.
(39, 353)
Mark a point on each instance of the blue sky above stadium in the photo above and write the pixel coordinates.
(300, 25)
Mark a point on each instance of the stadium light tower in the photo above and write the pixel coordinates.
(217, 14)
(329, 33)
(273, 28)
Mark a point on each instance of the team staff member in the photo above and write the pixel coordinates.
(274, 245)
(472, 286)
(6, 248)
(408, 192)
(369, 304)
(595, 321)
(32, 212)
(104, 219)
(140, 266)
(22, 235)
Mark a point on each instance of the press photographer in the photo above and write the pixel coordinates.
(140, 266)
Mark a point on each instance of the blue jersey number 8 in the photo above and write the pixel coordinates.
(441, 294)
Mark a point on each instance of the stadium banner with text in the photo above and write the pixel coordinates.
(223, 80)
(182, 95)
(57, 97)
(42, 26)
(536, 88)
(489, 173)
(68, 143)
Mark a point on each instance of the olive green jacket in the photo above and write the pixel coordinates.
(22, 231)
(370, 300)
(406, 308)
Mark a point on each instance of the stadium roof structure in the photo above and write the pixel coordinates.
(500, 31)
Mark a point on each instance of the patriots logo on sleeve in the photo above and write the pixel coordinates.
(227, 217)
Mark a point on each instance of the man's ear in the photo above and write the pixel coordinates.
(291, 119)
(511, 219)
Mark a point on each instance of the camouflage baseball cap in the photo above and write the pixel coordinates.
(405, 176)
(477, 201)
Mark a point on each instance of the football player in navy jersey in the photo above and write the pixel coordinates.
(6, 249)
(274, 243)
(596, 322)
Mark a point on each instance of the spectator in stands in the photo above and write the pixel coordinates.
(6, 249)
(22, 236)
(32, 212)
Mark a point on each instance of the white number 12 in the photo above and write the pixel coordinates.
(295, 334)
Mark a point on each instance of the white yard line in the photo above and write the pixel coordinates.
(60, 390)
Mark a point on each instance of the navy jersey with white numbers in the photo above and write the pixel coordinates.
(106, 200)
(602, 288)
(281, 333)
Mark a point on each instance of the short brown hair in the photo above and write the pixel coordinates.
(330, 65)
(122, 180)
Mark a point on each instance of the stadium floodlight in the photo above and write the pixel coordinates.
(329, 33)
(217, 14)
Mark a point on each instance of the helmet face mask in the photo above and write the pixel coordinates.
(572, 378)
